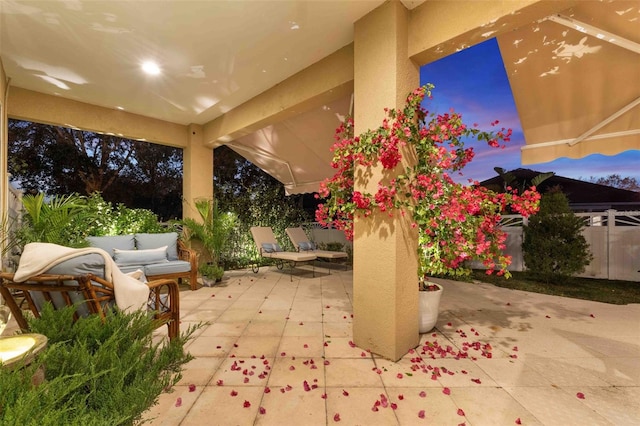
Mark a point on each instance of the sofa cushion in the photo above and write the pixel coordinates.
(306, 246)
(110, 242)
(171, 267)
(152, 241)
(140, 257)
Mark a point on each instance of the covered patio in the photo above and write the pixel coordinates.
(277, 352)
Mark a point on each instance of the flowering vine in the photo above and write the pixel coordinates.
(456, 223)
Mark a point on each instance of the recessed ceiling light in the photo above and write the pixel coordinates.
(150, 68)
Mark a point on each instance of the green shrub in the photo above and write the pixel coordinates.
(96, 372)
(554, 247)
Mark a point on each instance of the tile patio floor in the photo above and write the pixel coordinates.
(277, 352)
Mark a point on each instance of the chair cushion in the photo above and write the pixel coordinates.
(306, 246)
(110, 242)
(152, 241)
(92, 263)
(172, 267)
(271, 247)
(140, 257)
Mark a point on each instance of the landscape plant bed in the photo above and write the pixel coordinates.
(597, 290)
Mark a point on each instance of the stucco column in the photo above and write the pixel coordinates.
(385, 261)
(197, 173)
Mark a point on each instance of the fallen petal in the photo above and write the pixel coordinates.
(178, 402)
(262, 410)
(246, 404)
(580, 395)
(460, 412)
(336, 417)
(421, 414)
(446, 391)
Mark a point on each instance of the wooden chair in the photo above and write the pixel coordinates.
(89, 293)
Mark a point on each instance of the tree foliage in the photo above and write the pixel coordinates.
(554, 247)
(617, 181)
(60, 160)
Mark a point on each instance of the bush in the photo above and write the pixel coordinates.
(96, 372)
(554, 247)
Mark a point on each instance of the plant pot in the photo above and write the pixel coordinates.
(428, 306)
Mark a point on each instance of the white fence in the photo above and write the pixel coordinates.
(613, 236)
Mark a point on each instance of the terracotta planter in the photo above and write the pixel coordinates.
(428, 306)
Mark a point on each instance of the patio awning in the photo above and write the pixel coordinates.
(296, 151)
(575, 78)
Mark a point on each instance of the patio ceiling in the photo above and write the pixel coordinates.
(576, 92)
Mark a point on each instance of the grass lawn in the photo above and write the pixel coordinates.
(599, 290)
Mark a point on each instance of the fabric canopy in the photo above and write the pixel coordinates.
(575, 78)
(296, 151)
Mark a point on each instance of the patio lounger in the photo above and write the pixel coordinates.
(268, 247)
(299, 239)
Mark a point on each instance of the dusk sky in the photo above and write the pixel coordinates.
(474, 83)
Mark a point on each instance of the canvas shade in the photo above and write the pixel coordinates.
(576, 81)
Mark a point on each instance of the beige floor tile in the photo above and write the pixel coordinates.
(619, 405)
(265, 328)
(355, 406)
(200, 370)
(491, 406)
(269, 315)
(512, 372)
(553, 406)
(343, 347)
(203, 315)
(347, 372)
(217, 406)
(172, 407)
(294, 371)
(301, 346)
(229, 329)
(235, 315)
(214, 346)
(243, 372)
(302, 328)
(338, 329)
(247, 346)
(293, 406)
(565, 372)
(425, 407)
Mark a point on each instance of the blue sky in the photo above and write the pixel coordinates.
(474, 83)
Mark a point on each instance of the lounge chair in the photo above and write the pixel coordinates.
(88, 279)
(269, 248)
(299, 239)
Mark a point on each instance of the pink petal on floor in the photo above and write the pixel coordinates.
(345, 393)
(401, 397)
(220, 382)
(518, 421)
(446, 391)
(234, 393)
(262, 410)
(353, 345)
(423, 394)
(580, 395)
(267, 389)
(421, 414)
(394, 406)
(336, 417)
(246, 404)
(399, 376)
(323, 396)
(460, 412)
(306, 386)
(592, 316)
(178, 402)
(291, 368)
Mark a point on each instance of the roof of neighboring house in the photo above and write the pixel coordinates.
(577, 191)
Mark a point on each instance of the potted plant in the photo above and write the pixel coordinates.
(213, 231)
(455, 223)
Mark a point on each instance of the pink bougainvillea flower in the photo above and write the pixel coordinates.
(246, 380)
(327, 362)
(345, 393)
(446, 391)
(306, 386)
(547, 316)
(353, 345)
(262, 410)
(580, 395)
(399, 375)
(220, 382)
(476, 381)
(421, 414)
(282, 390)
(305, 346)
(592, 316)
(283, 353)
(336, 417)
(291, 368)
(234, 393)
(401, 397)
(460, 412)
(192, 388)
(394, 406)
(179, 402)
(288, 387)
(301, 323)
(246, 404)
(423, 394)
(518, 421)
(267, 389)
(323, 396)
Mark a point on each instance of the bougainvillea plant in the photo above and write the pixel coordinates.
(456, 223)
